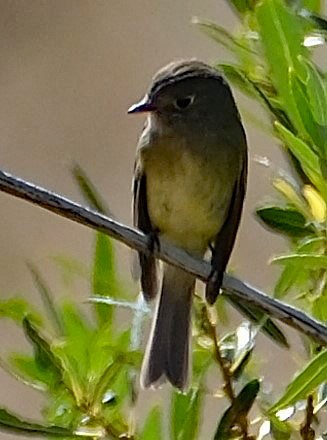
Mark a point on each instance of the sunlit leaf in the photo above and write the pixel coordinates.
(290, 277)
(27, 368)
(313, 132)
(185, 414)
(16, 309)
(152, 428)
(319, 308)
(76, 347)
(312, 5)
(280, 430)
(312, 375)
(292, 195)
(316, 89)
(308, 159)
(282, 35)
(316, 202)
(104, 276)
(309, 261)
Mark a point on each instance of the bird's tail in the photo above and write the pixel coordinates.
(167, 354)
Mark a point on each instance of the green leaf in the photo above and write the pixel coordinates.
(238, 78)
(269, 328)
(16, 309)
(282, 36)
(152, 429)
(289, 278)
(185, 414)
(286, 220)
(27, 369)
(315, 133)
(12, 423)
(280, 430)
(70, 269)
(308, 261)
(89, 191)
(44, 356)
(316, 89)
(313, 374)
(312, 5)
(241, 6)
(222, 36)
(47, 298)
(308, 159)
(78, 344)
(319, 308)
(105, 382)
(104, 282)
(239, 408)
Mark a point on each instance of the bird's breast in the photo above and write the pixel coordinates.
(188, 194)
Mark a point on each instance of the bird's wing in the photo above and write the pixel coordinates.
(142, 221)
(225, 238)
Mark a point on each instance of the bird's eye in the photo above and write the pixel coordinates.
(183, 103)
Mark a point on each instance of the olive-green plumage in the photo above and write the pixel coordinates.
(189, 186)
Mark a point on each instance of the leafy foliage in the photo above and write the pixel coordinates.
(86, 366)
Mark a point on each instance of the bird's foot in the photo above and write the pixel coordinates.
(153, 241)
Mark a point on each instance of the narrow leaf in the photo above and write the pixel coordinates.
(269, 328)
(47, 298)
(153, 425)
(239, 408)
(282, 35)
(285, 220)
(316, 91)
(12, 423)
(104, 282)
(313, 374)
(88, 190)
(308, 159)
(241, 6)
(16, 309)
(43, 354)
(309, 261)
(185, 414)
(221, 36)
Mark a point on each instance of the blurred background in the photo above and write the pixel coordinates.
(69, 71)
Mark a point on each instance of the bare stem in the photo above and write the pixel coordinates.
(306, 431)
(177, 257)
(226, 373)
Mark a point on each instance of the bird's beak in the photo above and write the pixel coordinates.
(143, 106)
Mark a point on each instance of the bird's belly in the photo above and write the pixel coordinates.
(187, 200)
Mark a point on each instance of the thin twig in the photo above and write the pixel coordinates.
(224, 366)
(306, 431)
(177, 257)
(222, 363)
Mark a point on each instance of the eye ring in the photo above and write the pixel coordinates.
(183, 103)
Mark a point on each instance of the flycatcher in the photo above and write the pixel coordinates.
(189, 185)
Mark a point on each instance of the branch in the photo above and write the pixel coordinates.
(177, 257)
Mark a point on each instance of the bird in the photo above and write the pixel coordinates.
(189, 185)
